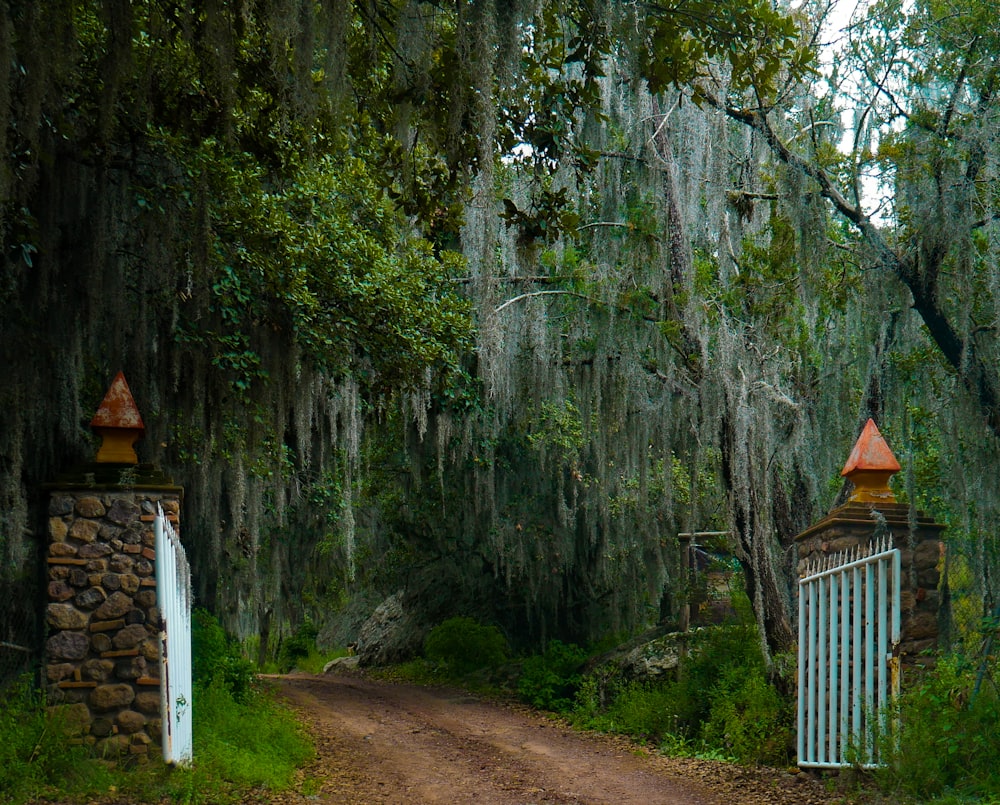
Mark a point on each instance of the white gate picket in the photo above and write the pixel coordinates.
(849, 631)
(173, 598)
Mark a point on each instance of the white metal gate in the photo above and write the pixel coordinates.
(848, 656)
(173, 598)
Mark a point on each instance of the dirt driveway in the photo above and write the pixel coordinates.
(381, 742)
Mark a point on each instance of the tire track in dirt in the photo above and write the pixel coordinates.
(382, 743)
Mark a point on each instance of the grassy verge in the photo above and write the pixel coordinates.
(242, 749)
(245, 742)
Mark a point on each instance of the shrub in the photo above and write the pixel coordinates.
(217, 659)
(719, 703)
(551, 680)
(947, 739)
(748, 719)
(461, 646)
(298, 647)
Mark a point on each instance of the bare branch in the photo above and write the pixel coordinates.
(532, 294)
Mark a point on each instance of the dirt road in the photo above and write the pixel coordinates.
(380, 742)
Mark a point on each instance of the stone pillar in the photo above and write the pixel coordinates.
(102, 651)
(872, 511)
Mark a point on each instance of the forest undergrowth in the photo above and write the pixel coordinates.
(719, 703)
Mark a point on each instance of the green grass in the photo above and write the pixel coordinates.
(239, 747)
(315, 660)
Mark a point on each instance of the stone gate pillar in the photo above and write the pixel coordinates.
(872, 511)
(102, 651)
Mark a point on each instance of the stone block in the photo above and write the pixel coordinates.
(64, 616)
(72, 719)
(56, 672)
(107, 626)
(84, 530)
(60, 591)
(115, 607)
(123, 512)
(929, 578)
(97, 670)
(95, 550)
(58, 529)
(113, 747)
(147, 702)
(129, 637)
(109, 533)
(920, 626)
(100, 642)
(90, 598)
(67, 646)
(111, 582)
(111, 697)
(102, 727)
(842, 544)
(130, 722)
(135, 616)
(927, 554)
(146, 599)
(120, 563)
(133, 537)
(89, 507)
(62, 549)
(129, 583)
(150, 649)
(60, 505)
(78, 577)
(130, 669)
(141, 739)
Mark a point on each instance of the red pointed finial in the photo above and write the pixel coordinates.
(870, 466)
(118, 423)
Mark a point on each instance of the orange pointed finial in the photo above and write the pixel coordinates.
(119, 424)
(870, 466)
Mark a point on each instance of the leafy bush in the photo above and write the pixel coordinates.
(642, 711)
(947, 740)
(215, 659)
(551, 680)
(719, 704)
(461, 646)
(748, 719)
(298, 647)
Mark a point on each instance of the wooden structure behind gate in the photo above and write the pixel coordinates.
(849, 637)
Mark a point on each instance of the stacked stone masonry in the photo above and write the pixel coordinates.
(919, 541)
(102, 651)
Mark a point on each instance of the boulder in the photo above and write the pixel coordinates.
(341, 664)
(391, 634)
